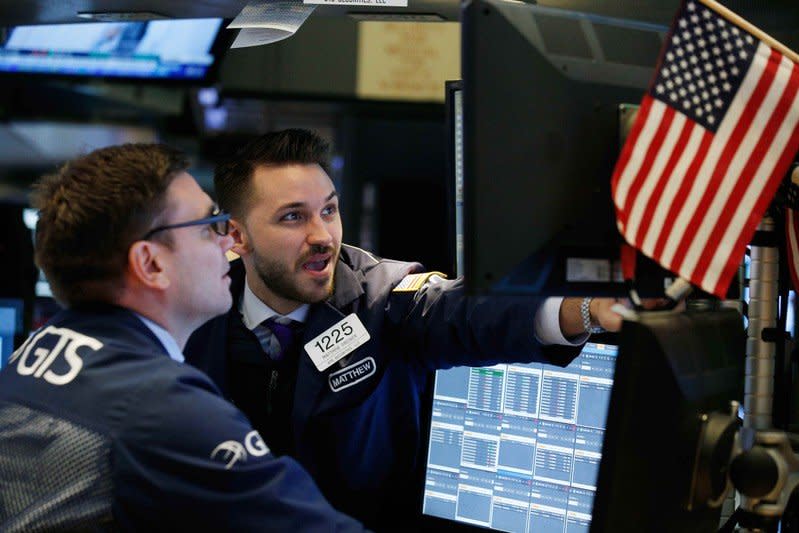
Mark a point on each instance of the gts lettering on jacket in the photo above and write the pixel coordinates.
(38, 354)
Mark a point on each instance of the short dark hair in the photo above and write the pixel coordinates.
(93, 209)
(233, 178)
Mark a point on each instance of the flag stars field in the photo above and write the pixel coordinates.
(713, 138)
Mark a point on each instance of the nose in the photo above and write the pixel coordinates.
(319, 233)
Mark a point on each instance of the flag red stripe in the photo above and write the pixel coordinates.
(792, 228)
(640, 119)
(628, 256)
(682, 195)
(787, 156)
(664, 178)
(750, 168)
(727, 154)
(651, 154)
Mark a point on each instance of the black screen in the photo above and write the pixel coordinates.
(673, 370)
(546, 96)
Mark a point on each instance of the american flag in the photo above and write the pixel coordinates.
(714, 136)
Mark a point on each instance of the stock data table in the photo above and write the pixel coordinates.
(517, 447)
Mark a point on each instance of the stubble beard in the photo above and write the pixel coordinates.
(280, 280)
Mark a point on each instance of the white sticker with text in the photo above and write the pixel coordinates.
(336, 342)
(373, 3)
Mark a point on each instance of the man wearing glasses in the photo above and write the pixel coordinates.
(102, 426)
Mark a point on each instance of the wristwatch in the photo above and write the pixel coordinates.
(585, 314)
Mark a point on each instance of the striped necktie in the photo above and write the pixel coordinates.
(276, 334)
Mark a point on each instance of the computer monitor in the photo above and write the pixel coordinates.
(30, 217)
(546, 93)
(183, 49)
(11, 326)
(516, 447)
(42, 304)
(616, 441)
(659, 466)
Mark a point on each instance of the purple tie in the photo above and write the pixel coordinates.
(276, 335)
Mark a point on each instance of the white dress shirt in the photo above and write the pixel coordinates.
(254, 311)
(165, 337)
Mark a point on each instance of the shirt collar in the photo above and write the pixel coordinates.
(165, 337)
(254, 311)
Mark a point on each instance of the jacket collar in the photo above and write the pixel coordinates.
(349, 283)
(117, 315)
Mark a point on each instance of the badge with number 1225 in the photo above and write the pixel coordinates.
(336, 342)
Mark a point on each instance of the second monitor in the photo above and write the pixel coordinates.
(544, 92)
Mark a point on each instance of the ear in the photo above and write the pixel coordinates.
(241, 239)
(146, 264)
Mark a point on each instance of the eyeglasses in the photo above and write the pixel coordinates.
(218, 220)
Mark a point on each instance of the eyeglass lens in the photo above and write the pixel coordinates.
(221, 227)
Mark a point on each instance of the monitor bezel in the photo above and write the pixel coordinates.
(451, 87)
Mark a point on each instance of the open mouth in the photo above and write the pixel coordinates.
(318, 263)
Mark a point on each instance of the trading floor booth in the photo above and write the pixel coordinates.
(634, 434)
(637, 433)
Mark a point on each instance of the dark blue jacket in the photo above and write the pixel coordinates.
(363, 443)
(100, 429)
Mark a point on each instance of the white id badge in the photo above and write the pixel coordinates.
(336, 342)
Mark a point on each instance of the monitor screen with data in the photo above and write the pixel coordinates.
(517, 447)
(10, 326)
(184, 49)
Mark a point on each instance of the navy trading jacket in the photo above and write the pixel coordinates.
(357, 426)
(101, 430)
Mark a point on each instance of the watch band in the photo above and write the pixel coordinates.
(585, 314)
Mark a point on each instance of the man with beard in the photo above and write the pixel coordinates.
(102, 426)
(329, 349)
